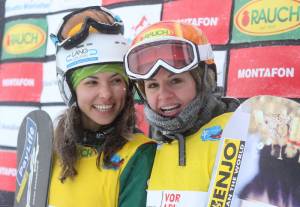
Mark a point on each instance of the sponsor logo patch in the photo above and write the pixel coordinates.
(262, 18)
(211, 133)
(23, 38)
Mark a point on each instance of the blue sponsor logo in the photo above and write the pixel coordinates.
(77, 62)
(117, 161)
(30, 140)
(211, 133)
(81, 55)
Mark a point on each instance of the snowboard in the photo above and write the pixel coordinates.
(258, 161)
(34, 154)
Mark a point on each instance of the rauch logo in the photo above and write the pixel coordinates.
(157, 33)
(268, 17)
(23, 38)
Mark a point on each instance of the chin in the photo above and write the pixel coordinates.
(102, 123)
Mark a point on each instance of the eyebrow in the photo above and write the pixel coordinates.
(170, 75)
(92, 77)
(116, 74)
(95, 77)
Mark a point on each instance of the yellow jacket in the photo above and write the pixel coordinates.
(172, 184)
(93, 187)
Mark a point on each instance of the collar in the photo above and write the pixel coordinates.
(97, 138)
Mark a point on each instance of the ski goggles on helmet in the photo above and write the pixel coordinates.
(174, 54)
(78, 24)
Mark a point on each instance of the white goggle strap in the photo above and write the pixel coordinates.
(205, 52)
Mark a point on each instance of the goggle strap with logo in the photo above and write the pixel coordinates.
(100, 8)
(116, 18)
(116, 28)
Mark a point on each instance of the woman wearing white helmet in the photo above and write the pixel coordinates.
(99, 160)
(172, 64)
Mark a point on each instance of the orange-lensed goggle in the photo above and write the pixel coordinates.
(77, 25)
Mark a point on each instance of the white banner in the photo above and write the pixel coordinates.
(10, 121)
(136, 18)
(13, 7)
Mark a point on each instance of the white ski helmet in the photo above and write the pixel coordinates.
(94, 42)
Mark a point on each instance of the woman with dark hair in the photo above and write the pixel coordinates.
(99, 159)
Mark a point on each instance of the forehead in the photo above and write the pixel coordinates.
(104, 75)
(166, 74)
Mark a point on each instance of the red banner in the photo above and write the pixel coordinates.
(273, 70)
(212, 16)
(21, 82)
(8, 162)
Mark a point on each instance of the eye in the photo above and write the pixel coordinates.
(117, 81)
(151, 85)
(90, 82)
(176, 80)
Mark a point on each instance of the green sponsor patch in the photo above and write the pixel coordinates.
(258, 20)
(25, 39)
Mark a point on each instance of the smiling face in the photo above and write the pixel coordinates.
(168, 93)
(101, 97)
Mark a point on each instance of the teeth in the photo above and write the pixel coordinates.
(168, 108)
(103, 108)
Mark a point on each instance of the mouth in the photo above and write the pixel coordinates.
(171, 110)
(103, 107)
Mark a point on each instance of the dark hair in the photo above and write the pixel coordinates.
(69, 131)
(279, 178)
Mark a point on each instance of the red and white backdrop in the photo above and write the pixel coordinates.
(256, 47)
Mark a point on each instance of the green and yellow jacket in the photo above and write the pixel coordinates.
(123, 185)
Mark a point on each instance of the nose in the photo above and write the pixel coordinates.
(104, 91)
(165, 92)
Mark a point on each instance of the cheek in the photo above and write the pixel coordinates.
(192, 93)
(152, 104)
(121, 91)
(80, 96)
(188, 94)
(83, 96)
(151, 99)
(83, 103)
(122, 88)
(120, 94)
